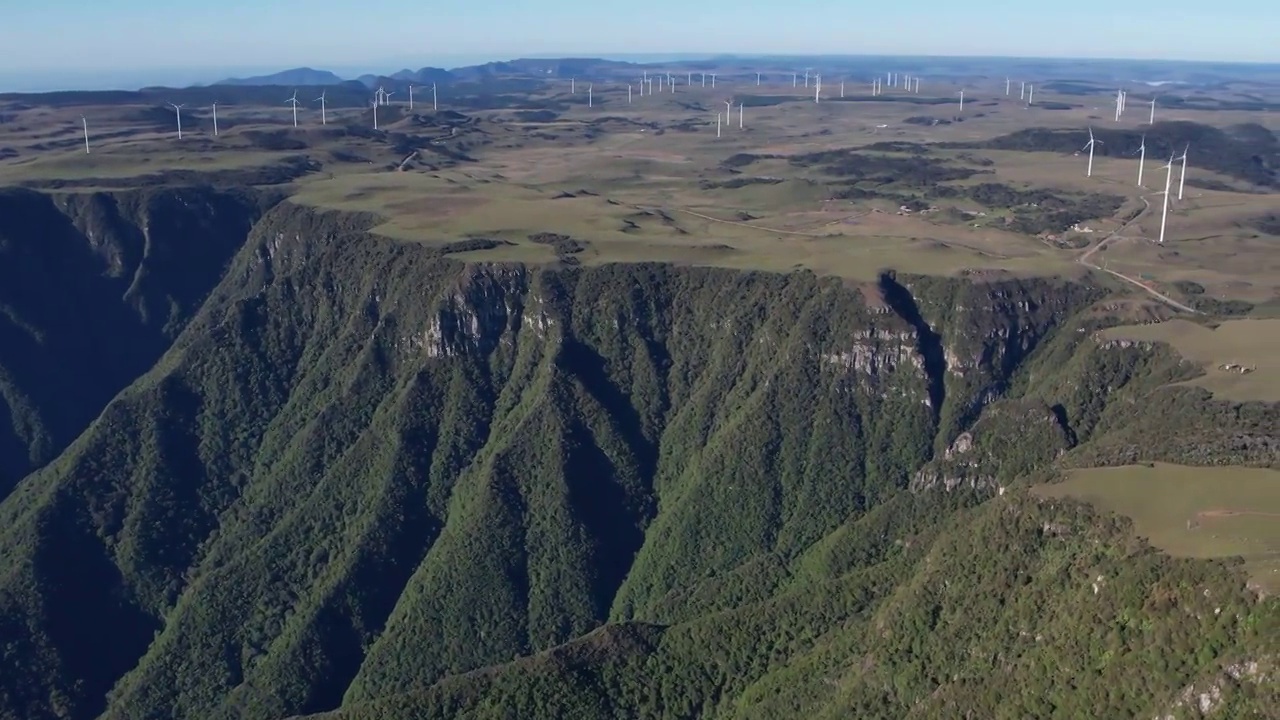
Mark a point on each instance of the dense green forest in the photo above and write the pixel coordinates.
(353, 477)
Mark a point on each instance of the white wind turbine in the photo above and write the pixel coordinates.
(713, 79)
(728, 108)
(1118, 96)
(1089, 146)
(1182, 179)
(757, 79)
(1006, 86)
(294, 102)
(324, 120)
(215, 119)
(381, 96)
(589, 89)
(178, 109)
(573, 86)
(386, 98)
(85, 123)
(628, 93)
(740, 106)
(434, 105)
(1031, 94)
(717, 125)
(411, 97)
(1142, 158)
(1152, 120)
(841, 88)
(962, 101)
(1022, 94)
(793, 79)
(817, 88)
(1164, 211)
(375, 102)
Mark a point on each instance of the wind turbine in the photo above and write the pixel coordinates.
(1022, 94)
(375, 103)
(215, 119)
(1164, 211)
(806, 78)
(740, 106)
(85, 122)
(294, 101)
(717, 125)
(817, 89)
(434, 106)
(1142, 158)
(1031, 94)
(1182, 180)
(324, 120)
(573, 86)
(1089, 146)
(628, 93)
(386, 98)
(962, 101)
(757, 79)
(589, 88)
(917, 86)
(178, 109)
(381, 96)
(411, 97)
(1152, 121)
(1006, 86)
(793, 79)
(713, 79)
(728, 108)
(841, 88)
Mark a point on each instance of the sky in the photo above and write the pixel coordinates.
(182, 41)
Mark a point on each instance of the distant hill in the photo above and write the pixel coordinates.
(296, 76)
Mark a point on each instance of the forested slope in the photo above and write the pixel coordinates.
(371, 477)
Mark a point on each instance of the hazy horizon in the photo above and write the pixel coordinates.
(125, 41)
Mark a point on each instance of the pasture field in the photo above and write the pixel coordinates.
(1223, 351)
(1201, 512)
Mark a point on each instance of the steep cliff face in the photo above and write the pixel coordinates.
(93, 288)
(361, 468)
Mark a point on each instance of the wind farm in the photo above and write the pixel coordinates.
(665, 173)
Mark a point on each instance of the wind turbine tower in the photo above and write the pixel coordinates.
(1142, 158)
(1022, 94)
(1089, 146)
(1006, 86)
(178, 109)
(1164, 211)
(324, 119)
(294, 102)
(589, 86)
(85, 123)
(1182, 180)
(728, 108)
(717, 125)
(410, 97)
(757, 79)
(381, 96)
(741, 105)
(1031, 94)
(628, 93)
(817, 89)
(917, 86)
(375, 113)
(1152, 121)
(841, 88)
(713, 79)
(434, 107)
(961, 101)
(215, 119)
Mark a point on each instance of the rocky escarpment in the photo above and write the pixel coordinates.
(93, 288)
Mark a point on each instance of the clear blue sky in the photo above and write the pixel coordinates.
(111, 35)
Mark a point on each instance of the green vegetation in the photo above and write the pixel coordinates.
(1241, 358)
(1192, 511)
(370, 479)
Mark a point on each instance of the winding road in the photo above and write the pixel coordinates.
(1084, 259)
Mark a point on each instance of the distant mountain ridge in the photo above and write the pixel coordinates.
(296, 76)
